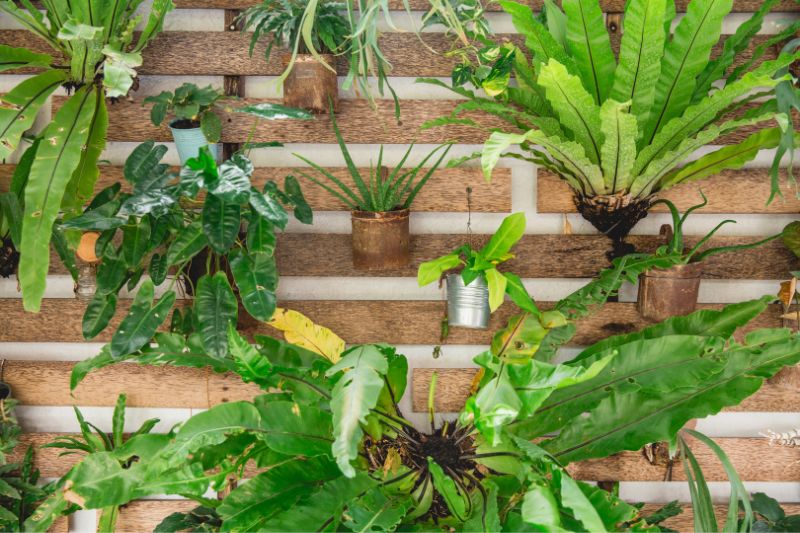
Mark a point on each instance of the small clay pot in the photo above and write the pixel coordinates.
(380, 240)
(311, 85)
(669, 292)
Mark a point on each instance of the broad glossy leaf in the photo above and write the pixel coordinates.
(221, 223)
(590, 46)
(302, 211)
(14, 58)
(158, 269)
(233, 182)
(539, 507)
(20, 106)
(143, 168)
(256, 277)
(295, 429)
(251, 365)
(270, 111)
(261, 236)
(507, 235)
(573, 498)
(56, 160)
(111, 272)
(519, 294)
(376, 510)
(640, 56)
(497, 288)
(619, 145)
(252, 504)
(211, 126)
(188, 243)
(431, 271)
(356, 392)
(135, 241)
(81, 184)
(268, 208)
(142, 321)
(98, 314)
(300, 330)
(46, 513)
(537, 37)
(453, 497)
(216, 309)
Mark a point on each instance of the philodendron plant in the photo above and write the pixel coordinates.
(327, 448)
(191, 107)
(621, 132)
(483, 263)
(96, 54)
(209, 219)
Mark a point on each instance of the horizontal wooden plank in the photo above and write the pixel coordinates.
(608, 6)
(227, 53)
(145, 515)
(358, 322)
(358, 122)
(730, 192)
(445, 191)
(754, 458)
(453, 387)
(684, 522)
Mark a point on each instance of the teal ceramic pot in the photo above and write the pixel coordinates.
(189, 141)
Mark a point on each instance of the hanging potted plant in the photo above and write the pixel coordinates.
(672, 291)
(194, 123)
(380, 203)
(478, 289)
(309, 79)
(618, 135)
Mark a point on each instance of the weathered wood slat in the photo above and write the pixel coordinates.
(227, 53)
(753, 458)
(684, 522)
(445, 191)
(453, 387)
(359, 123)
(609, 6)
(358, 322)
(145, 515)
(732, 191)
(46, 383)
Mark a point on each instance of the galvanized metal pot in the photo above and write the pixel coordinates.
(189, 141)
(380, 240)
(311, 85)
(467, 305)
(669, 292)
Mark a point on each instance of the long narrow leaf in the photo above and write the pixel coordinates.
(589, 44)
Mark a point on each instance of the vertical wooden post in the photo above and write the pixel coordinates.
(232, 85)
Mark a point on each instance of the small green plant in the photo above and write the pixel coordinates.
(191, 107)
(208, 224)
(93, 440)
(676, 247)
(483, 263)
(377, 192)
(770, 516)
(281, 22)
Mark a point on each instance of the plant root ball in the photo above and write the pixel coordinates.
(614, 216)
(9, 258)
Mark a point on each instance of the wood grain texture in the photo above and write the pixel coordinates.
(227, 53)
(684, 522)
(359, 123)
(730, 192)
(613, 6)
(445, 191)
(453, 387)
(357, 322)
(782, 464)
(145, 515)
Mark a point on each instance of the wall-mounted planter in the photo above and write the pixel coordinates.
(467, 305)
(189, 139)
(669, 292)
(311, 85)
(380, 240)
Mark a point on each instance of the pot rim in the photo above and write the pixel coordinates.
(682, 271)
(381, 216)
(173, 121)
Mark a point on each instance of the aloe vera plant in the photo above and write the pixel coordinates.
(96, 55)
(326, 447)
(198, 223)
(621, 132)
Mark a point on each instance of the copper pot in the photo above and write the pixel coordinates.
(311, 85)
(670, 291)
(380, 240)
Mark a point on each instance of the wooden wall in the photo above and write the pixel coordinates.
(556, 256)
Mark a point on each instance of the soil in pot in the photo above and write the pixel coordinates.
(189, 139)
(311, 85)
(614, 216)
(9, 258)
(668, 292)
(380, 240)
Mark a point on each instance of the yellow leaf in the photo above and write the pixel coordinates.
(300, 330)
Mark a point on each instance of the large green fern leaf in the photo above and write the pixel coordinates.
(589, 44)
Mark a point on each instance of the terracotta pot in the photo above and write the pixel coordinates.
(669, 292)
(311, 85)
(380, 240)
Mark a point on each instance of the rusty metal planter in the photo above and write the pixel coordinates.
(380, 240)
(669, 292)
(311, 85)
